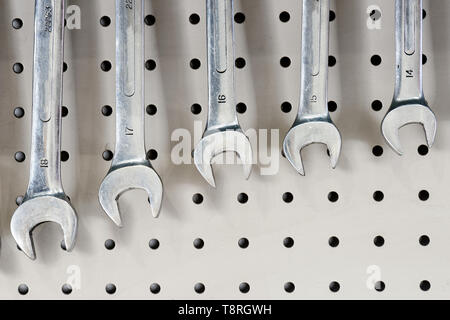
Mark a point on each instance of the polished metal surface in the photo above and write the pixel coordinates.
(45, 200)
(130, 169)
(313, 123)
(223, 132)
(409, 104)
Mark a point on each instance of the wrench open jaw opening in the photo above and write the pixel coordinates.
(217, 143)
(307, 133)
(122, 179)
(400, 116)
(38, 210)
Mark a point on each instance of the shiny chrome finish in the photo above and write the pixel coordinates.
(130, 169)
(409, 104)
(223, 132)
(313, 123)
(45, 200)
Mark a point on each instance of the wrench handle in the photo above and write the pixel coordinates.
(220, 34)
(314, 73)
(130, 144)
(45, 166)
(408, 38)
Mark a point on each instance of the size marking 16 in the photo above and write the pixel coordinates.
(222, 98)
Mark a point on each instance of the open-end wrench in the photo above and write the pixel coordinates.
(130, 169)
(223, 132)
(45, 200)
(409, 104)
(313, 123)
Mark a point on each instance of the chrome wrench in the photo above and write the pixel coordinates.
(409, 104)
(223, 132)
(45, 200)
(130, 169)
(313, 123)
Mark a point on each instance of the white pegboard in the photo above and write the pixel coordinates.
(220, 220)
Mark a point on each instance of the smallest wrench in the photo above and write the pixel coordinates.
(408, 104)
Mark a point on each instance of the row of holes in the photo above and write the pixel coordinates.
(196, 109)
(195, 63)
(332, 196)
(194, 18)
(152, 155)
(244, 243)
(288, 197)
(244, 287)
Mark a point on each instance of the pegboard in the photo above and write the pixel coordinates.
(328, 235)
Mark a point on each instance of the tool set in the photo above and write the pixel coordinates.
(45, 199)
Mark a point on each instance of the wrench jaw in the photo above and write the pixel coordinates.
(120, 180)
(398, 117)
(39, 210)
(217, 143)
(307, 133)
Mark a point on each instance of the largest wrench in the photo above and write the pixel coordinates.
(409, 104)
(313, 123)
(223, 132)
(129, 169)
(45, 199)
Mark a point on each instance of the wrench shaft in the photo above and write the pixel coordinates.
(130, 144)
(408, 36)
(45, 166)
(315, 35)
(222, 109)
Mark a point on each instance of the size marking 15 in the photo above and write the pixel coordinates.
(48, 19)
(43, 163)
